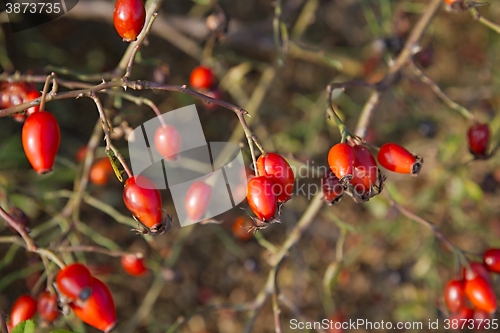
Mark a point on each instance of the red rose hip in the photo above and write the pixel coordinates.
(275, 167)
(47, 306)
(41, 138)
(167, 142)
(481, 294)
(260, 197)
(100, 172)
(134, 265)
(24, 308)
(365, 173)
(202, 78)
(74, 282)
(395, 158)
(143, 200)
(341, 159)
(478, 137)
(197, 200)
(129, 17)
(454, 295)
(99, 310)
(491, 260)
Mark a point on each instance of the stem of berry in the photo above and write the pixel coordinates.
(51, 77)
(138, 43)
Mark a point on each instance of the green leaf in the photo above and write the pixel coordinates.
(473, 190)
(27, 326)
(117, 166)
(61, 331)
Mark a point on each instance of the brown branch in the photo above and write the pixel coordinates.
(3, 322)
(410, 48)
(437, 90)
(30, 244)
(420, 220)
(292, 239)
(94, 249)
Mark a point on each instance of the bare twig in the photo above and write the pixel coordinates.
(292, 239)
(481, 19)
(410, 48)
(448, 101)
(94, 249)
(137, 44)
(3, 322)
(30, 244)
(429, 225)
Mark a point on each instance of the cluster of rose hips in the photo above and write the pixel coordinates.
(353, 170)
(15, 93)
(268, 191)
(474, 287)
(25, 308)
(88, 297)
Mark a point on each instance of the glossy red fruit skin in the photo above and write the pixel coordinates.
(74, 281)
(365, 174)
(395, 158)
(332, 188)
(478, 137)
(260, 197)
(144, 203)
(32, 95)
(279, 171)
(167, 142)
(129, 17)
(491, 260)
(41, 138)
(133, 265)
(24, 308)
(462, 315)
(197, 200)
(101, 171)
(342, 159)
(481, 294)
(99, 311)
(202, 78)
(476, 269)
(454, 295)
(47, 306)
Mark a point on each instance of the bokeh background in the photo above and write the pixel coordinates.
(383, 266)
